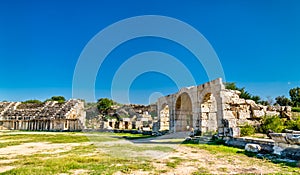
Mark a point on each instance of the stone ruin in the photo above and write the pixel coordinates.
(48, 116)
(211, 107)
(124, 117)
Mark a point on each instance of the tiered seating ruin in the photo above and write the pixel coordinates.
(47, 116)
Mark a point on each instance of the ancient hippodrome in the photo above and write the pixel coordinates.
(48, 116)
(211, 107)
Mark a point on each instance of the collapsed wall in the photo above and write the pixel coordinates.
(247, 111)
(122, 117)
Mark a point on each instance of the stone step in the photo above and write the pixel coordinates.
(202, 139)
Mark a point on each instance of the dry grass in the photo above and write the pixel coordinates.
(108, 153)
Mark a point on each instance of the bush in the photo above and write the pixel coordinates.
(273, 123)
(247, 130)
(293, 124)
(32, 101)
(59, 99)
(295, 109)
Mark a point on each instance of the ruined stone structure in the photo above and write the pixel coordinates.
(48, 116)
(136, 122)
(210, 108)
(122, 117)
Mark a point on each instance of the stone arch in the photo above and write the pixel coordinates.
(164, 114)
(208, 113)
(183, 113)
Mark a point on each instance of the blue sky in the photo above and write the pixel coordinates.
(257, 42)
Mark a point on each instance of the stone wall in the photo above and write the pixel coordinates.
(212, 108)
(245, 111)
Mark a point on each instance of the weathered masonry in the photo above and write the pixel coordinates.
(48, 116)
(210, 108)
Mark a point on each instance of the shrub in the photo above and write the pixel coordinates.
(273, 123)
(293, 124)
(59, 99)
(295, 109)
(247, 130)
(32, 101)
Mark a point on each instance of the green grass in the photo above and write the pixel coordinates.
(67, 137)
(174, 162)
(222, 151)
(95, 154)
(201, 170)
(85, 157)
(132, 136)
(215, 148)
(17, 139)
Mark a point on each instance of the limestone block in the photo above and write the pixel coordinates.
(204, 108)
(288, 109)
(228, 115)
(293, 138)
(255, 148)
(272, 113)
(278, 137)
(250, 102)
(238, 101)
(236, 132)
(255, 107)
(277, 108)
(271, 108)
(244, 114)
(264, 108)
(212, 116)
(204, 116)
(227, 107)
(245, 107)
(232, 123)
(204, 123)
(258, 113)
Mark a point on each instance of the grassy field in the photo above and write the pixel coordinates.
(111, 153)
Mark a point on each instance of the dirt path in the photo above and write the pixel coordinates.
(187, 160)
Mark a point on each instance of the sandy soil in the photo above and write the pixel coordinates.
(34, 148)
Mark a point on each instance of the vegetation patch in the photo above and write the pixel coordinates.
(295, 109)
(215, 148)
(174, 162)
(79, 157)
(52, 138)
(201, 170)
(247, 130)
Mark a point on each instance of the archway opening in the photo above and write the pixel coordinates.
(208, 112)
(183, 113)
(164, 114)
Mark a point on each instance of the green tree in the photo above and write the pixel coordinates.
(283, 101)
(265, 102)
(231, 85)
(244, 94)
(59, 99)
(295, 96)
(104, 104)
(256, 99)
